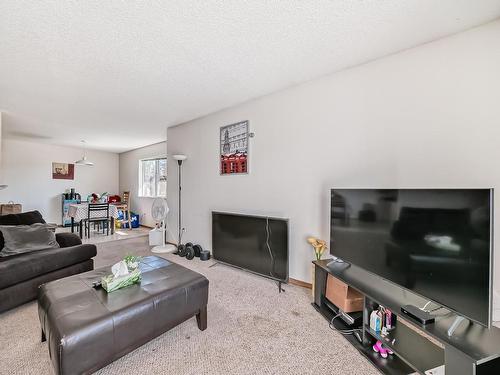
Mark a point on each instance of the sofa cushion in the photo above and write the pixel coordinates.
(25, 218)
(22, 267)
(68, 239)
(26, 238)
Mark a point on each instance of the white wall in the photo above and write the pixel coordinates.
(1, 169)
(27, 169)
(129, 178)
(426, 117)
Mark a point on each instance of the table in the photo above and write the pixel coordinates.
(78, 212)
(87, 328)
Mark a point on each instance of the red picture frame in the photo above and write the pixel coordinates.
(234, 148)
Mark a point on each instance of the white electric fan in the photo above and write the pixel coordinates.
(159, 212)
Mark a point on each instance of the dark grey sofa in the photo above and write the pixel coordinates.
(22, 274)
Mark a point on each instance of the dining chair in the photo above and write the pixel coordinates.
(97, 213)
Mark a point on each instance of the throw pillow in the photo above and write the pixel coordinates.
(26, 238)
(25, 218)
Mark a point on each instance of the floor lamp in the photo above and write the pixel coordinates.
(180, 158)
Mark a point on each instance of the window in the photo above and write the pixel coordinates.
(153, 177)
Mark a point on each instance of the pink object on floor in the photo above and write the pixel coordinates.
(380, 349)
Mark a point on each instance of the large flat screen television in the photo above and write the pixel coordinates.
(436, 243)
(255, 243)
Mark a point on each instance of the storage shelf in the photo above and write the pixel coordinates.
(472, 349)
(411, 347)
(391, 366)
(393, 297)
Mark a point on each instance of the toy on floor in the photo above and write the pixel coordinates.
(379, 348)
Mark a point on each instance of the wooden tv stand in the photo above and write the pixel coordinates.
(471, 350)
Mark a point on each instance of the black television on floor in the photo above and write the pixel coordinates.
(258, 244)
(436, 243)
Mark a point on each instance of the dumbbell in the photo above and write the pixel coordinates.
(200, 253)
(189, 252)
(204, 255)
(197, 250)
(186, 250)
(181, 250)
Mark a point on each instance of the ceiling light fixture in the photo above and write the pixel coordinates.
(83, 160)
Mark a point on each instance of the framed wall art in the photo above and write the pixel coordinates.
(234, 148)
(63, 171)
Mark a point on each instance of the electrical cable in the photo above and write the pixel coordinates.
(425, 306)
(268, 234)
(434, 309)
(273, 260)
(345, 332)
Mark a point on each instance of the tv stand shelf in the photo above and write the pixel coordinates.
(392, 366)
(415, 350)
(472, 349)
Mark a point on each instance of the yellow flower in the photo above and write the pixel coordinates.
(318, 245)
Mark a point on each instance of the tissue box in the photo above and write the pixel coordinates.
(111, 283)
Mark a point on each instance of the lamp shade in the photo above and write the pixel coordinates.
(84, 160)
(180, 157)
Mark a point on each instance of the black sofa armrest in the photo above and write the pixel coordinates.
(68, 239)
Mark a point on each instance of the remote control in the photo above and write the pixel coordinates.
(96, 284)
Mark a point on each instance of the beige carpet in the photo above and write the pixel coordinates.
(252, 329)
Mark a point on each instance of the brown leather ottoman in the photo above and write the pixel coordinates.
(87, 328)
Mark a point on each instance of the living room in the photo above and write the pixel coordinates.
(331, 98)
